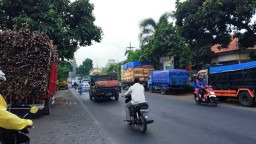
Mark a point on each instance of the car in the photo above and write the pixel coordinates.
(86, 85)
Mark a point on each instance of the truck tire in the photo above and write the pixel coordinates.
(96, 99)
(151, 89)
(47, 106)
(163, 91)
(116, 97)
(90, 95)
(245, 99)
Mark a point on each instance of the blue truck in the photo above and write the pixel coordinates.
(167, 80)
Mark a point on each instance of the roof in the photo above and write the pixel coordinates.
(233, 46)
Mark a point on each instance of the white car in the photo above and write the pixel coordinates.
(86, 85)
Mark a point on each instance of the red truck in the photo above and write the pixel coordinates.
(43, 102)
(104, 86)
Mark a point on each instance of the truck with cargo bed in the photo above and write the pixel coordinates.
(104, 86)
(29, 61)
(168, 80)
(234, 81)
(134, 69)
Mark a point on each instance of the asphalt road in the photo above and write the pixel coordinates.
(178, 120)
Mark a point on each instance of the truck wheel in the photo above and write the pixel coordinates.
(47, 106)
(163, 91)
(90, 96)
(151, 89)
(116, 97)
(245, 99)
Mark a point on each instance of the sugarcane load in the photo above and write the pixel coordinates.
(27, 59)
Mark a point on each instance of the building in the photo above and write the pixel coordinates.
(96, 71)
(230, 55)
(111, 62)
(168, 63)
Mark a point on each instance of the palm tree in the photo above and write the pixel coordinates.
(148, 27)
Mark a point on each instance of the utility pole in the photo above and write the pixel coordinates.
(130, 47)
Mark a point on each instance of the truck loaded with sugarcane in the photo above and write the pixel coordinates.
(29, 60)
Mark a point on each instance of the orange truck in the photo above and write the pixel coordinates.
(234, 81)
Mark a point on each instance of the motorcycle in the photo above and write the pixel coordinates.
(208, 97)
(17, 136)
(139, 115)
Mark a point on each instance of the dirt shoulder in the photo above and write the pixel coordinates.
(68, 123)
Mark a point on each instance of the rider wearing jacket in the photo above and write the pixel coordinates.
(199, 86)
(9, 120)
(137, 95)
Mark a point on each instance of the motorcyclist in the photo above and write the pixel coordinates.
(80, 86)
(200, 84)
(137, 96)
(75, 85)
(8, 120)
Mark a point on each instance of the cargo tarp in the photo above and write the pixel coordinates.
(135, 64)
(169, 76)
(234, 67)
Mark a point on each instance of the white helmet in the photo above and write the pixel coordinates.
(2, 76)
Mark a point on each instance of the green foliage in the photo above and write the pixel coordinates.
(166, 42)
(204, 23)
(149, 26)
(64, 67)
(134, 56)
(114, 68)
(111, 68)
(69, 25)
(84, 69)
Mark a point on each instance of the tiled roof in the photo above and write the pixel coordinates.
(231, 47)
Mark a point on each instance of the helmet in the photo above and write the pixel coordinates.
(136, 80)
(2, 76)
(200, 78)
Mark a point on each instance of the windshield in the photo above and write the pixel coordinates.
(86, 82)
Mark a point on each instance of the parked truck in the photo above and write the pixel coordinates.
(168, 80)
(104, 86)
(134, 69)
(234, 81)
(29, 61)
(63, 84)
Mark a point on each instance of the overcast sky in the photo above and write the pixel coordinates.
(119, 20)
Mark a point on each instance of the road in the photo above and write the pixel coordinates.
(178, 120)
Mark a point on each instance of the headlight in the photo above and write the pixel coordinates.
(212, 93)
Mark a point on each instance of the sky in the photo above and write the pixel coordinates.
(119, 20)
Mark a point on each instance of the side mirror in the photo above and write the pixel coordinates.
(34, 109)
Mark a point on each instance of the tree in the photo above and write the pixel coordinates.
(166, 42)
(85, 68)
(69, 25)
(204, 23)
(111, 68)
(64, 67)
(148, 27)
(134, 56)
